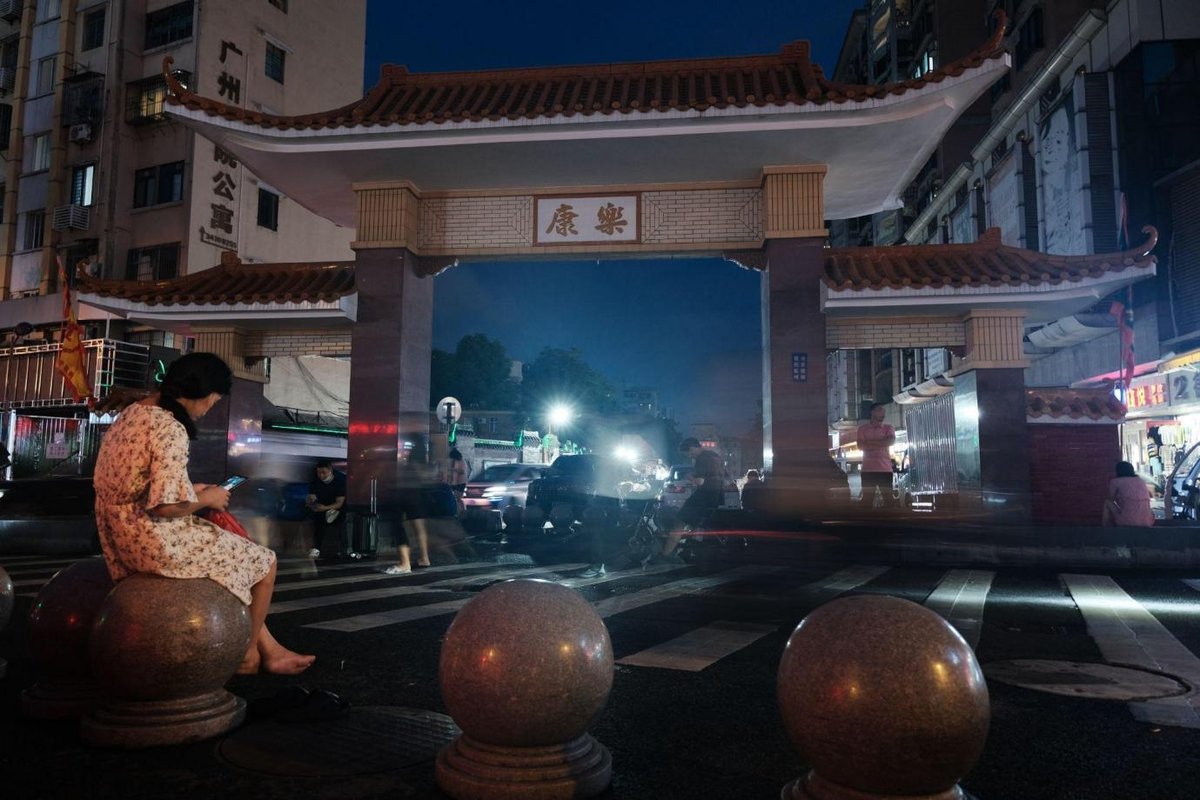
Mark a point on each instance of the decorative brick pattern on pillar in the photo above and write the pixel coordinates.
(389, 375)
(995, 338)
(1070, 470)
(230, 344)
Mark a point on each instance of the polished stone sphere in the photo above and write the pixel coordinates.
(162, 638)
(6, 598)
(881, 695)
(527, 663)
(60, 624)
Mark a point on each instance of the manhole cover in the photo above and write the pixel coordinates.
(1081, 679)
(359, 742)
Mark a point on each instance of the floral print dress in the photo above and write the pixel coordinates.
(143, 464)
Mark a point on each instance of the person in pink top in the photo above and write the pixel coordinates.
(1128, 502)
(874, 439)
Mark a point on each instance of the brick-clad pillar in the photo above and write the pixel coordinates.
(795, 395)
(389, 372)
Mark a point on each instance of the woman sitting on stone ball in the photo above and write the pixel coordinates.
(145, 505)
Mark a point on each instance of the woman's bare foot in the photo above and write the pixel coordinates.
(250, 663)
(286, 663)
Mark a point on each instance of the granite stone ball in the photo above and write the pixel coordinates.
(60, 624)
(7, 598)
(882, 695)
(162, 638)
(527, 663)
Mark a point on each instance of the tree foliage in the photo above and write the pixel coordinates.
(562, 376)
(477, 373)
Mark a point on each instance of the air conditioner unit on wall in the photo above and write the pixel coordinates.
(81, 133)
(10, 10)
(71, 217)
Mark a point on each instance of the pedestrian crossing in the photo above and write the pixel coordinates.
(716, 611)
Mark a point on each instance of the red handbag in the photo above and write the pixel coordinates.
(223, 519)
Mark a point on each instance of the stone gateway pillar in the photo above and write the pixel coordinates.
(389, 376)
(795, 395)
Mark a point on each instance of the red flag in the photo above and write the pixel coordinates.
(70, 362)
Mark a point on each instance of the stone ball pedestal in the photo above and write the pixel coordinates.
(60, 627)
(6, 606)
(884, 699)
(526, 667)
(162, 650)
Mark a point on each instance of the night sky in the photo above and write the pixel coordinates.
(689, 328)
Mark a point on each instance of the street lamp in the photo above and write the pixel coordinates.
(559, 416)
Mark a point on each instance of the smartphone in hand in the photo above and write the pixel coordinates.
(232, 482)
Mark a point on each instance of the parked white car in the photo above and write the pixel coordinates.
(498, 494)
(679, 488)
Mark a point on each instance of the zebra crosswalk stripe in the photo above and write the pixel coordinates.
(960, 597)
(656, 594)
(700, 647)
(445, 585)
(1127, 633)
(842, 581)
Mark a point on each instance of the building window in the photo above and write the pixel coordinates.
(5, 125)
(280, 4)
(275, 59)
(157, 263)
(40, 153)
(83, 99)
(1029, 38)
(168, 25)
(157, 185)
(45, 75)
(93, 29)
(82, 180)
(147, 97)
(47, 9)
(268, 209)
(35, 228)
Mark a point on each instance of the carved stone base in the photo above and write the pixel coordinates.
(152, 723)
(59, 698)
(814, 787)
(471, 770)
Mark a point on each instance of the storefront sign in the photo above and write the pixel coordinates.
(1183, 386)
(570, 220)
(1147, 395)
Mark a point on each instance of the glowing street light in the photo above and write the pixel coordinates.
(560, 415)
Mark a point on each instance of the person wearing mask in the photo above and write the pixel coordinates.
(326, 497)
(874, 438)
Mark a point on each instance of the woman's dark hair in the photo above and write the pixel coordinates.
(456, 454)
(1125, 470)
(193, 377)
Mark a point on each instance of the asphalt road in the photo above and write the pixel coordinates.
(692, 712)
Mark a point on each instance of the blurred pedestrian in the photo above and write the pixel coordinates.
(1128, 502)
(874, 438)
(708, 474)
(752, 491)
(459, 472)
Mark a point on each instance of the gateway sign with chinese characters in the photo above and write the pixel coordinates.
(578, 220)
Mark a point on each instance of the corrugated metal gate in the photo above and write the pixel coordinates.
(1185, 253)
(931, 445)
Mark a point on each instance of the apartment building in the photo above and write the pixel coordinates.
(94, 170)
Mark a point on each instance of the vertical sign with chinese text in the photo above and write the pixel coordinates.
(218, 208)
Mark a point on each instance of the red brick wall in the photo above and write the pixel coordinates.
(1069, 470)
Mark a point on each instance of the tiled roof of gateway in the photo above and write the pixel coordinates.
(404, 98)
(986, 262)
(235, 282)
(1073, 404)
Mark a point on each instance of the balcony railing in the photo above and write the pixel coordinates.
(31, 381)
